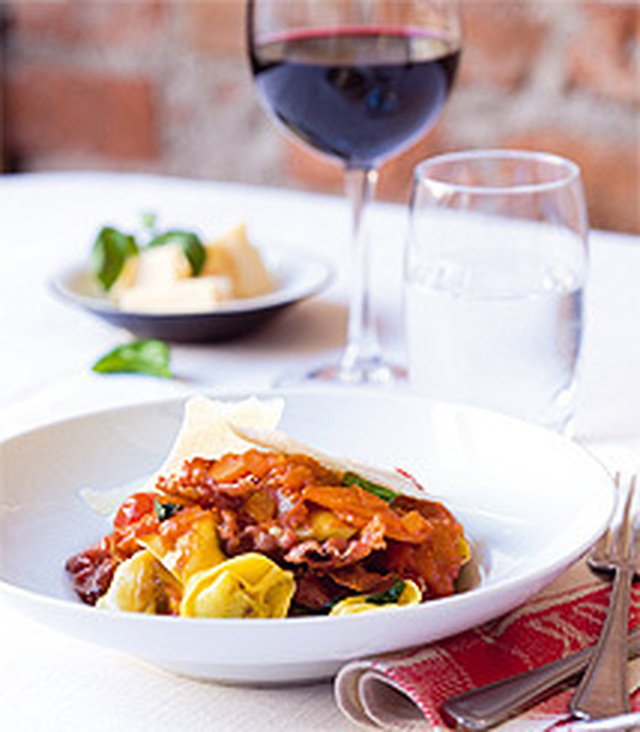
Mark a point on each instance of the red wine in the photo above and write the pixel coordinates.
(357, 94)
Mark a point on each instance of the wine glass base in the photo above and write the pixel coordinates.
(369, 373)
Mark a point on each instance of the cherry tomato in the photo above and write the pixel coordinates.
(133, 509)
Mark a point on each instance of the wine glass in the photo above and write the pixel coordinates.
(357, 80)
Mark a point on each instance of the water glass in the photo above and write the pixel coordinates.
(495, 271)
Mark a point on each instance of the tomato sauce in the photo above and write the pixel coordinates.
(335, 538)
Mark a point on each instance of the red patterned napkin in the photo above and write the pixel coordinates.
(405, 691)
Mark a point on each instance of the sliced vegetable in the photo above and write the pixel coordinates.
(133, 509)
(111, 249)
(377, 490)
(149, 357)
(190, 244)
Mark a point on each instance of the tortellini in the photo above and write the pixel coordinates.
(141, 585)
(153, 579)
(411, 595)
(189, 551)
(465, 550)
(190, 576)
(248, 586)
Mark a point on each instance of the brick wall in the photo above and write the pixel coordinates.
(161, 86)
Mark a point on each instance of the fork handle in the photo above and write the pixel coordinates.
(488, 706)
(603, 691)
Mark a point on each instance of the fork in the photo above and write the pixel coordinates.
(603, 691)
(487, 706)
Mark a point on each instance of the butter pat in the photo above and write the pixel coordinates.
(194, 294)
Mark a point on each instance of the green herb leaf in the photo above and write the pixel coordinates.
(392, 595)
(166, 510)
(111, 250)
(378, 490)
(140, 357)
(148, 220)
(190, 243)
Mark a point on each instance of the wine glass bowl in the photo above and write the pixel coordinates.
(358, 82)
(358, 95)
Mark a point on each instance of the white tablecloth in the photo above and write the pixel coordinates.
(50, 682)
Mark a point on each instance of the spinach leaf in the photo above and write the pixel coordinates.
(111, 249)
(190, 243)
(378, 490)
(392, 595)
(166, 510)
(139, 357)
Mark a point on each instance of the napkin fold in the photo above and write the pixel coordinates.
(405, 691)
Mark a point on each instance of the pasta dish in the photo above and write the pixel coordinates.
(244, 522)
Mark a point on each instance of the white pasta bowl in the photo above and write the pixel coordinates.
(531, 502)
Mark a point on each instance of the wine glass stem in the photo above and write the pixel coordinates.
(362, 353)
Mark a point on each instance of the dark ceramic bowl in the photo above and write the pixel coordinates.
(297, 278)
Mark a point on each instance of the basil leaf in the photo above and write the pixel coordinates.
(392, 595)
(111, 250)
(165, 511)
(378, 490)
(148, 221)
(190, 244)
(139, 357)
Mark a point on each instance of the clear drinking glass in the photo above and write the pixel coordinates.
(357, 80)
(495, 271)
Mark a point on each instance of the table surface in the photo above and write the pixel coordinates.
(51, 682)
